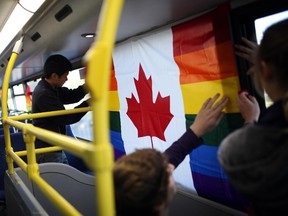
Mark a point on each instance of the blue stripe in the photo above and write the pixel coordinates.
(204, 160)
(117, 141)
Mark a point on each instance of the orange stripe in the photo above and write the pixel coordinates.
(113, 81)
(208, 64)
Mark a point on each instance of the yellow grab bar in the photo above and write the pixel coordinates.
(16, 50)
(98, 76)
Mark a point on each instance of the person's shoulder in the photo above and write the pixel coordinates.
(250, 139)
(43, 89)
(240, 139)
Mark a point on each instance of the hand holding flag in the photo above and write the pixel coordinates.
(249, 107)
(209, 116)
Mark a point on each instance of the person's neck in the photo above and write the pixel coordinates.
(163, 211)
(50, 82)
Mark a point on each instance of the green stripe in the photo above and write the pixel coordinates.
(229, 123)
(115, 121)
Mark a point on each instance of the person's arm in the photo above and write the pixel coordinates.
(208, 118)
(69, 96)
(48, 101)
(247, 103)
(183, 146)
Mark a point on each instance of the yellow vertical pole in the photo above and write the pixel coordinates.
(5, 87)
(98, 75)
(29, 140)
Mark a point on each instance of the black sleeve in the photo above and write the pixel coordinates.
(68, 96)
(72, 118)
(50, 102)
(183, 146)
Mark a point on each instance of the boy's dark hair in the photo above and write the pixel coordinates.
(56, 64)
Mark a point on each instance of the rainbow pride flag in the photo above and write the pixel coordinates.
(159, 82)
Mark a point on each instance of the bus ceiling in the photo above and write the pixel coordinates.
(60, 27)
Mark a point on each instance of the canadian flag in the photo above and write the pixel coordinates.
(159, 82)
(151, 104)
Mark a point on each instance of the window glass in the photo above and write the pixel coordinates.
(74, 80)
(81, 129)
(20, 103)
(32, 84)
(18, 89)
(10, 101)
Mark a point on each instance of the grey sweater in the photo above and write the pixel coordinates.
(255, 159)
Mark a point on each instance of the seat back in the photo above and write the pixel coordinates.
(73, 160)
(18, 144)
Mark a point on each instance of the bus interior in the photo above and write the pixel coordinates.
(182, 50)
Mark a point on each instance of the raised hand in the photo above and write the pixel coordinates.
(246, 51)
(249, 107)
(209, 115)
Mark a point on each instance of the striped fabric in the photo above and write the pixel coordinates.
(202, 63)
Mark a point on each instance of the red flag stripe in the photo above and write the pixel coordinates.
(113, 81)
(201, 32)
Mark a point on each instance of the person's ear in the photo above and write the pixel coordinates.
(267, 73)
(54, 76)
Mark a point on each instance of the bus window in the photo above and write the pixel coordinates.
(261, 25)
(81, 129)
(10, 100)
(32, 84)
(19, 99)
(74, 80)
(20, 102)
(18, 89)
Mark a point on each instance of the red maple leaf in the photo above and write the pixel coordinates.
(150, 119)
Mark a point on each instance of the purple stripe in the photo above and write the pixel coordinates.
(218, 190)
(118, 145)
(118, 153)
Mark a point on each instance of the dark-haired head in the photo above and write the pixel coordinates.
(56, 64)
(274, 51)
(272, 62)
(271, 65)
(141, 182)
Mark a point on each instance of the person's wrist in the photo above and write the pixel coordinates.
(196, 130)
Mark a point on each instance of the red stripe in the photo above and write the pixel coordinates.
(113, 81)
(203, 32)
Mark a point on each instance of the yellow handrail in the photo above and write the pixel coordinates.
(97, 80)
(5, 86)
(50, 113)
(99, 157)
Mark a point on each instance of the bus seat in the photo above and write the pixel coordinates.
(18, 144)
(74, 160)
(19, 200)
(76, 187)
(2, 130)
(193, 204)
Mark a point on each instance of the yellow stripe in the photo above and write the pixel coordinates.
(114, 104)
(195, 94)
